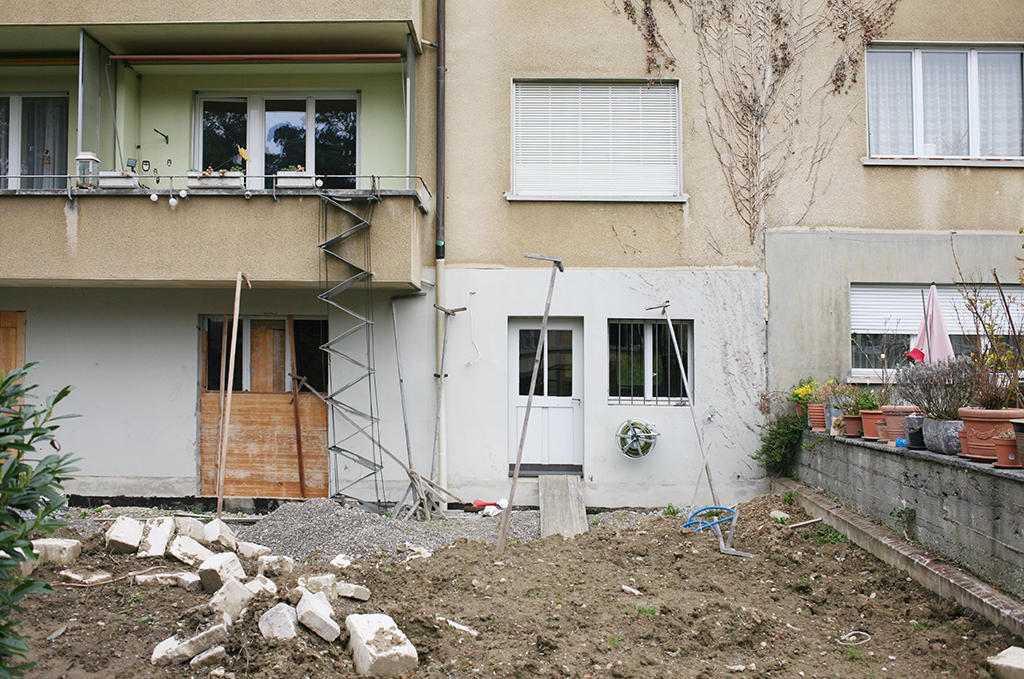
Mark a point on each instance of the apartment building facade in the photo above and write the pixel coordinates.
(556, 140)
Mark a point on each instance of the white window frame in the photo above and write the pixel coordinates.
(648, 340)
(13, 150)
(676, 196)
(919, 157)
(255, 130)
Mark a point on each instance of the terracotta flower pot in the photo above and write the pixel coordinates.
(854, 426)
(982, 426)
(883, 432)
(1007, 456)
(816, 411)
(965, 447)
(870, 419)
(801, 409)
(894, 420)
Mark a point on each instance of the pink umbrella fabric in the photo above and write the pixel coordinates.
(932, 344)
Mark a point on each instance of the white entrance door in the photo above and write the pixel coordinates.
(555, 434)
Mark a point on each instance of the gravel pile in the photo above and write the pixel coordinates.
(323, 528)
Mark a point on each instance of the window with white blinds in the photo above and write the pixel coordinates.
(600, 140)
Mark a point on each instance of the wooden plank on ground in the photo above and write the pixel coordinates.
(562, 511)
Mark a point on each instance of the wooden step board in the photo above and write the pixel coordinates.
(562, 510)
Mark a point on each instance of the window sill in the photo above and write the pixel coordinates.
(641, 401)
(943, 162)
(514, 197)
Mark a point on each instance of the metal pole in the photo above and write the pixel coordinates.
(227, 407)
(556, 266)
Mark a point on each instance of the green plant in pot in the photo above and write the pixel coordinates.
(846, 399)
(802, 394)
(938, 390)
(870, 415)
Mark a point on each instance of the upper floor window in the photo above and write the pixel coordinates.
(945, 103)
(33, 141)
(595, 141)
(284, 132)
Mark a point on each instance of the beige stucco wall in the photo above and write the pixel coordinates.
(129, 240)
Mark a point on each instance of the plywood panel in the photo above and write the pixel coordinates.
(261, 447)
(12, 340)
(267, 355)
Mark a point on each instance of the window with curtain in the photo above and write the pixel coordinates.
(595, 140)
(945, 103)
(33, 142)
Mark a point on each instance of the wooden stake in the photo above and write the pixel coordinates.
(226, 427)
(295, 403)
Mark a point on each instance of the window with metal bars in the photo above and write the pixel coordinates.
(642, 365)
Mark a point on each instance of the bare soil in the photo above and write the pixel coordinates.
(556, 608)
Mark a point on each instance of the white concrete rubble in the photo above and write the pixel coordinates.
(348, 590)
(187, 581)
(341, 561)
(275, 565)
(26, 565)
(250, 550)
(457, 626)
(417, 552)
(261, 583)
(778, 515)
(279, 622)
(86, 577)
(175, 650)
(231, 599)
(124, 535)
(320, 583)
(378, 647)
(189, 527)
(209, 657)
(56, 550)
(631, 590)
(315, 612)
(220, 568)
(187, 550)
(156, 533)
(217, 533)
(1008, 664)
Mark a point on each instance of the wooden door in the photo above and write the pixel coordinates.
(12, 340)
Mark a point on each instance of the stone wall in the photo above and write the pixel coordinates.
(970, 512)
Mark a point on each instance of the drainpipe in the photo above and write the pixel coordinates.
(439, 264)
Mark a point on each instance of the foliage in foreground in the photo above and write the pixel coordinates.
(780, 440)
(30, 494)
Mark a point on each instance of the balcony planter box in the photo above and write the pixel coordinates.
(118, 180)
(295, 180)
(228, 180)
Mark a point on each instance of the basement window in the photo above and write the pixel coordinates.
(263, 353)
(642, 364)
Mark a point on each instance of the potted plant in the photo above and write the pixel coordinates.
(1007, 456)
(870, 415)
(118, 180)
(938, 390)
(233, 178)
(850, 400)
(895, 415)
(801, 394)
(294, 177)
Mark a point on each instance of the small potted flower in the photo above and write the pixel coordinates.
(802, 393)
(294, 177)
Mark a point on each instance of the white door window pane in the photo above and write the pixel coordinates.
(1001, 101)
(335, 147)
(5, 139)
(890, 103)
(285, 136)
(44, 141)
(944, 85)
(224, 130)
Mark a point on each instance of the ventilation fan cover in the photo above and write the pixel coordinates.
(636, 438)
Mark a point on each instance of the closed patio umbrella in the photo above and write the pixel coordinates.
(932, 344)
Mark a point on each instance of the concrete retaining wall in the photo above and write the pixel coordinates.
(968, 511)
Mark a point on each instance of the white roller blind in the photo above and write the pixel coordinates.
(597, 140)
(897, 309)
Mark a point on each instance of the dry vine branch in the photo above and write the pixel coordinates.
(751, 56)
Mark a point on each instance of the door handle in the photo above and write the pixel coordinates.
(577, 401)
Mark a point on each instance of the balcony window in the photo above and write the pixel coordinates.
(317, 133)
(33, 141)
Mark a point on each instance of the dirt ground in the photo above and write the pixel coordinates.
(556, 608)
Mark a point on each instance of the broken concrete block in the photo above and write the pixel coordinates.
(175, 650)
(210, 656)
(230, 599)
(217, 533)
(220, 568)
(187, 581)
(250, 550)
(778, 515)
(261, 584)
(320, 583)
(187, 550)
(1008, 664)
(347, 589)
(56, 550)
(156, 533)
(124, 535)
(189, 527)
(378, 647)
(341, 561)
(279, 623)
(86, 577)
(275, 565)
(25, 564)
(315, 612)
